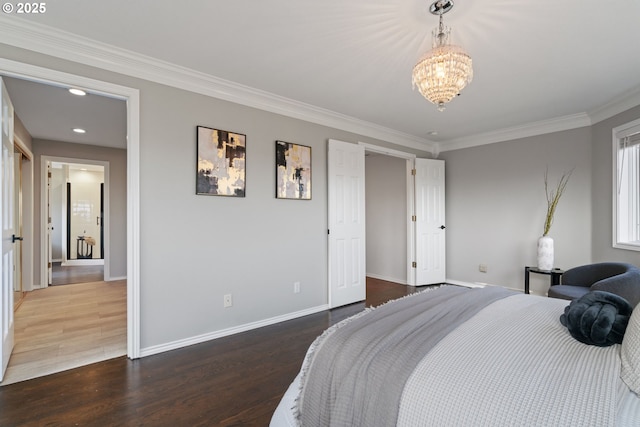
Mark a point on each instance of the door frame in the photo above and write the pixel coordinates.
(43, 211)
(27, 213)
(132, 98)
(410, 188)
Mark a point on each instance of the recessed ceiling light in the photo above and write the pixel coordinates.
(78, 92)
(79, 130)
(432, 133)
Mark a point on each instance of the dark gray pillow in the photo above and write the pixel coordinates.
(597, 318)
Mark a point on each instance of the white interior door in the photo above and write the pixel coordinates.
(347, 281)
(430, 222)
(8, 232)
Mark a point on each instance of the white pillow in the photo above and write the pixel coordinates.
(630, 352)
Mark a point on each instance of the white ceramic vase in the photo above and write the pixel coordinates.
(545, 253)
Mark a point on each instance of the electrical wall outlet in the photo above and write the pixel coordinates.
(483, 268)
(228, 301)
(296, 287)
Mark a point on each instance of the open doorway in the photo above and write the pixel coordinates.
(77, 230)
(405, 211)
(127, 209)
(386, 217)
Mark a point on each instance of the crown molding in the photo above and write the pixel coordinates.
(508, 134)
(616, 106)
(64, 45)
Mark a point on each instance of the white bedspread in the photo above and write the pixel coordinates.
(513, 365)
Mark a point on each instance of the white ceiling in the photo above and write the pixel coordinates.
(51, 112)
(535, 61)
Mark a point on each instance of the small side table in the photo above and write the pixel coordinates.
(555, 274)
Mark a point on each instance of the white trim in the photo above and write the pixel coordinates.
(23, 147)
(62, 44)
(618, 133)
(156, 349)
(50, 41)
(79, 262)
(132, 97)
(484, 285)
(410, 189)
(616, 106)
(43, 216)
(411, 225)
(28, 190)
(508, 134)
(386, 151)
(465, 284)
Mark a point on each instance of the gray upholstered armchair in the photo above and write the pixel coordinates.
(615, 277)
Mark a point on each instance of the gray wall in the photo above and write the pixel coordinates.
(602, 227)
(386, 217)
(195, 249)
(117, 231)
(496, 207)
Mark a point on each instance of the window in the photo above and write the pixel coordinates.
(626, 186)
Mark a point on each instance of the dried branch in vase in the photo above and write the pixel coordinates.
(553, 197)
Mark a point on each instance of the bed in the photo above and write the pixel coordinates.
(454, 356)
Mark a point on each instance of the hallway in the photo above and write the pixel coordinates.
(63, 327)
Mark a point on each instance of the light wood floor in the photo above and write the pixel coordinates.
(64, 275)
(63, 327)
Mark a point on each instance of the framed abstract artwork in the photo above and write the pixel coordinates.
(293, 171)
(221, 163)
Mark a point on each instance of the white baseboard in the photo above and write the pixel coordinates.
(156, 349)
(388, 279)
(113, 279)
(480, 285)
(466, 284)
(76, 262)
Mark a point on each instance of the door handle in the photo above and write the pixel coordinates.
(14, 238)
(442, 227)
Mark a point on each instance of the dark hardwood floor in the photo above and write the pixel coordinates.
(231, 381)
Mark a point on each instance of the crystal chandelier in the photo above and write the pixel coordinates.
(446, 69)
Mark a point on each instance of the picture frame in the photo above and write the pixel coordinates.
(293, 171)
(221, 163)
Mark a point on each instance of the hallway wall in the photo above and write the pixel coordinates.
(117, 158)
(386, 217)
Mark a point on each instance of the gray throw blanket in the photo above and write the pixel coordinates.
(358, 371)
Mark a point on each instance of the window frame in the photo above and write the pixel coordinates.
(619, 133)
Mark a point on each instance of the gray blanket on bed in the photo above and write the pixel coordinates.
(358, 371)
